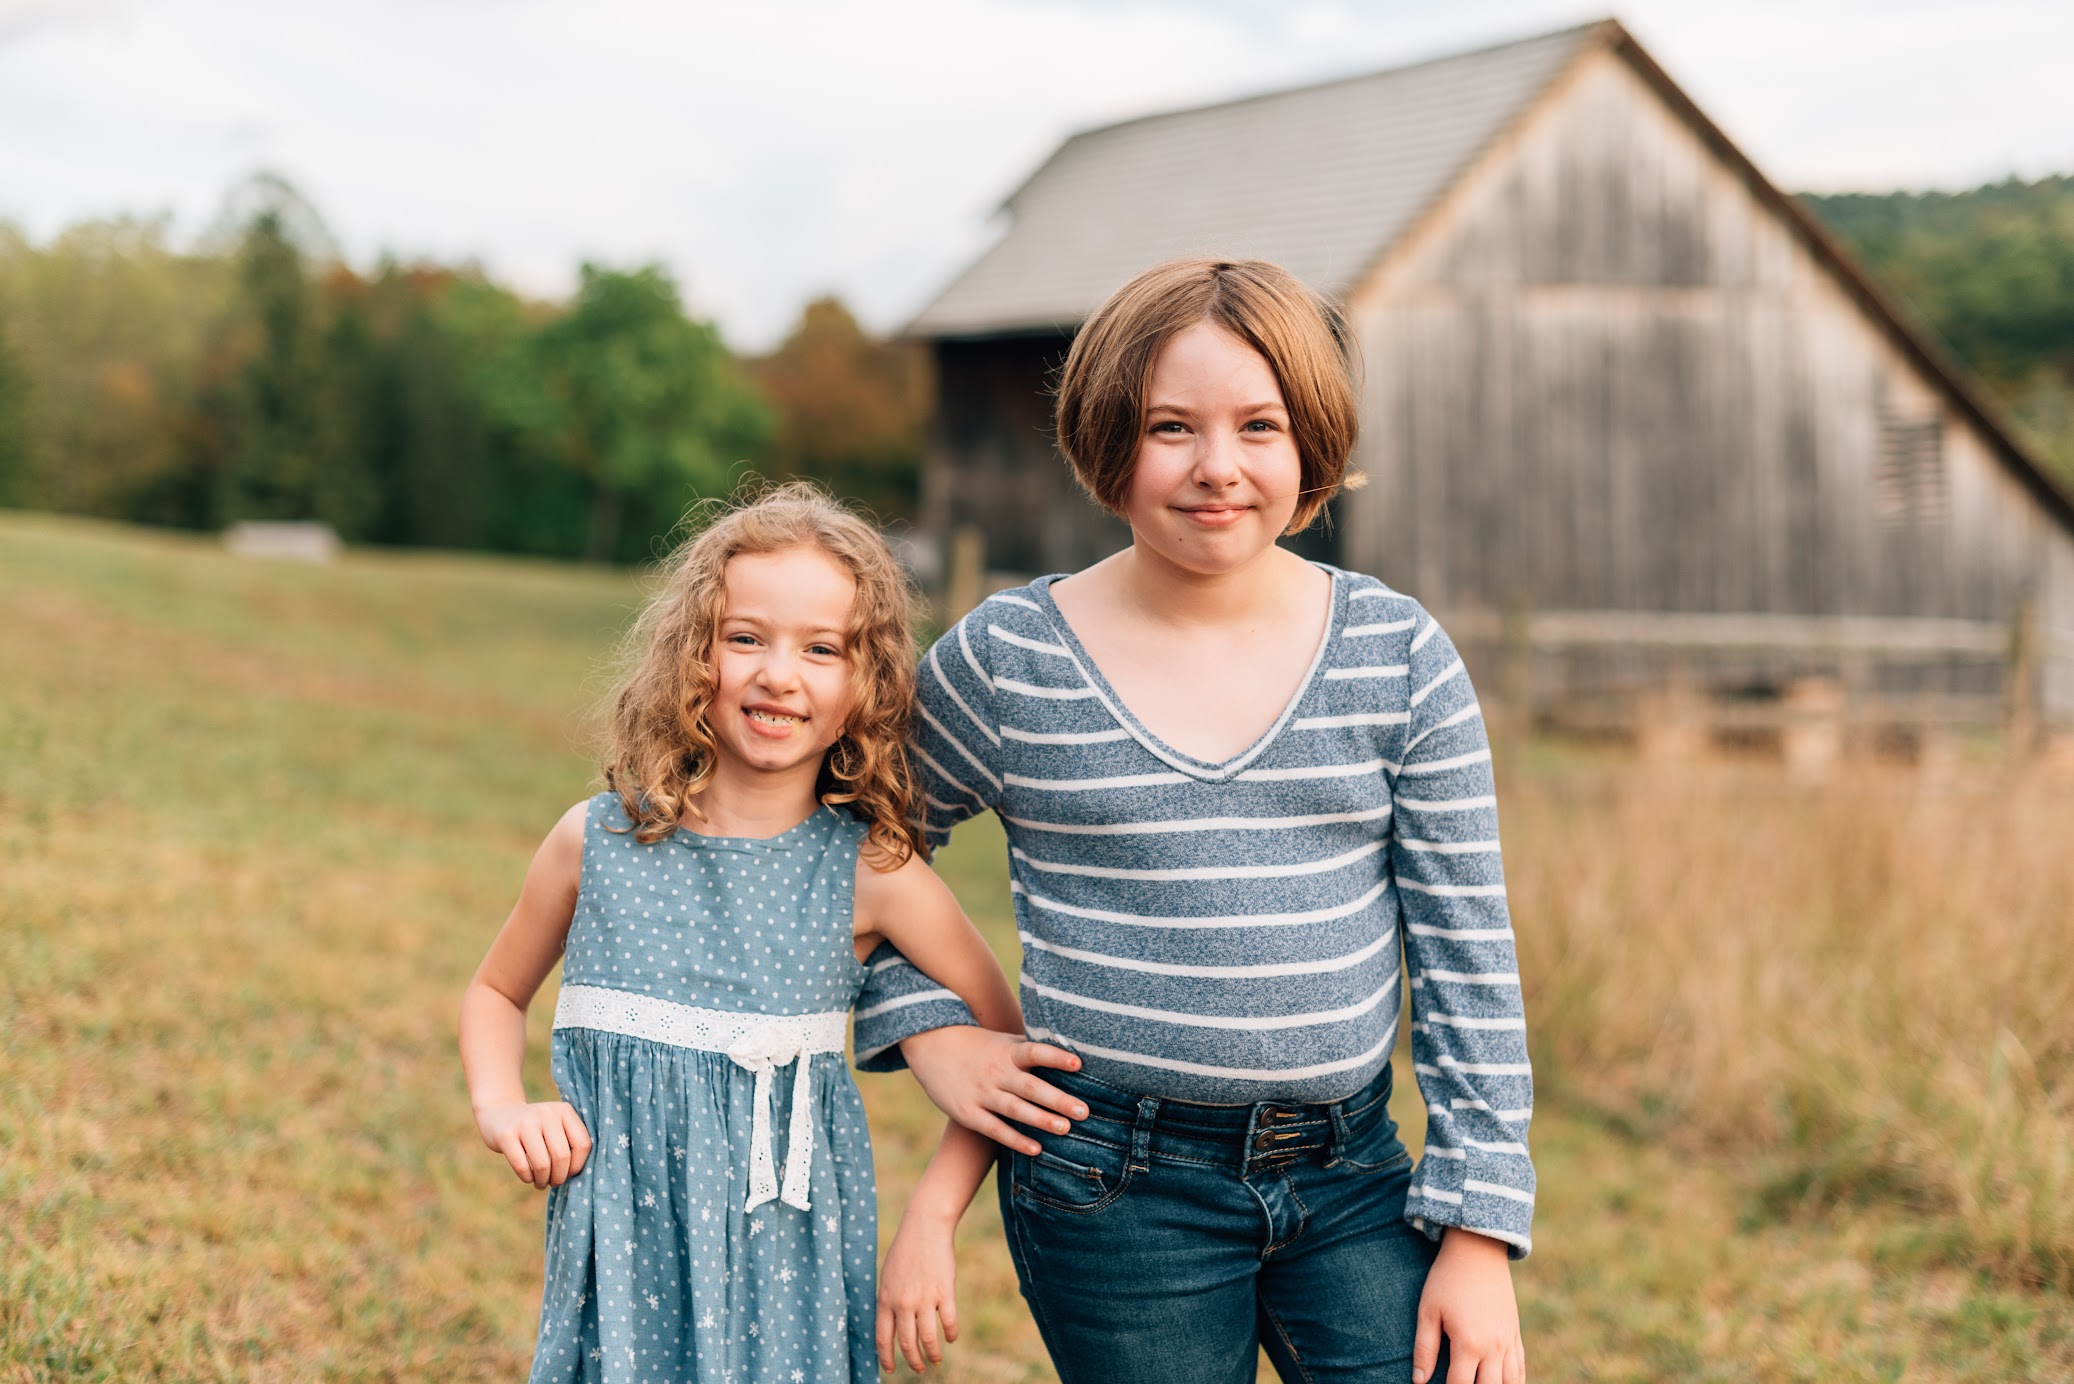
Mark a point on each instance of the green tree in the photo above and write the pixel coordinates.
(17, 438)
(399, 408)
(278, 462)
(852, 409)
(651, 409)
(108, 325)
(532, 501)
(1991, 272)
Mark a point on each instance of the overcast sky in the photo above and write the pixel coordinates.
(768, 151)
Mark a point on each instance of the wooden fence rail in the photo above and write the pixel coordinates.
(1821, 663)
(1893, 639)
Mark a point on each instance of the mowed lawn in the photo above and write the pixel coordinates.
(257, 823)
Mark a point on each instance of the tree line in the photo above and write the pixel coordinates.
(422, 404)
(418, 404)
(1991, 272)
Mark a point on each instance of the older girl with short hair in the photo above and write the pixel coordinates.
(1248, 799)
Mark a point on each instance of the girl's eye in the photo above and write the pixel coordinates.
(825, 650)
(1168, 425)
(743, 640)
(1262, 425)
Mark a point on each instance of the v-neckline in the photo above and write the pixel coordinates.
(1205, 770)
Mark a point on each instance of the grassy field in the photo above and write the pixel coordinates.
(1807, 1055)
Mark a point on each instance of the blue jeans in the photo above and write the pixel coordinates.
(1167, 1241)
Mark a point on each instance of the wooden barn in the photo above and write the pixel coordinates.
(1631, 418)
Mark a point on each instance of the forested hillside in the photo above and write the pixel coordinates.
(1990, 272)
(256, 376)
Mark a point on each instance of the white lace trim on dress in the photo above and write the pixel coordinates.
(758, 1043)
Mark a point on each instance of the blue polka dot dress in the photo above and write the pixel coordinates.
(724, 1230)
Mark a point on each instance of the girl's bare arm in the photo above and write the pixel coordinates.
(915, 911)
(545, 1142)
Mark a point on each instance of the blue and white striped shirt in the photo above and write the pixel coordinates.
(1239, 931)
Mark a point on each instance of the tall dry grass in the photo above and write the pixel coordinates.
(257, 824)
(1864, 989)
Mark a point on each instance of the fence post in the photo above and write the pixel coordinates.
(2020, 728)
(1671, 721)
(1812, 737)
(1515, 685)
(961, 590)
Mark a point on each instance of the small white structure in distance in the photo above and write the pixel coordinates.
(297, 541)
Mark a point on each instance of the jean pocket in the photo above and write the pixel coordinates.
(1374, 1149)
(1071, 1174)
(1394, 1163)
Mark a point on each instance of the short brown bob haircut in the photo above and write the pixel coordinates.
(1100, 414)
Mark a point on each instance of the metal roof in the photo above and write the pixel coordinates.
(1322, 180)
(1325, 180)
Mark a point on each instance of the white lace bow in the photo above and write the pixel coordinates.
(763, 1052)
(757, 1043)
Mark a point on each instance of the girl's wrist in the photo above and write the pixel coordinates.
(932, 1214)
(1470, 1242)
(484, 1104)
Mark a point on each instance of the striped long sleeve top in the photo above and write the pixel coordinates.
(1242, 931)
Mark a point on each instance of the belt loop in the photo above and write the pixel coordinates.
(1141, 1133)
(1256, 1124)
(1337, 1113)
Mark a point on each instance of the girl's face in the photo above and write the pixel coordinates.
(1217, 471)
(783, 659)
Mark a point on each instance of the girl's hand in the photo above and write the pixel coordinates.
(978, 1077)
(1469, 1300)
(545, 1142)
(917, 1286)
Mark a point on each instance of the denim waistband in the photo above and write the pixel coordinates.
(1265, 1132)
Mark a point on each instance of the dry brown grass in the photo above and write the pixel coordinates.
(1804, 1053)
(1865, 990)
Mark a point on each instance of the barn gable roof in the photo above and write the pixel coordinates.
(1929, 355)
(1266, 176)
(1110, 201)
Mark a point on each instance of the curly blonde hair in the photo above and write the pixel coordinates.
(659, 747)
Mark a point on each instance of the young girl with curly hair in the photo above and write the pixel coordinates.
(712, 1214)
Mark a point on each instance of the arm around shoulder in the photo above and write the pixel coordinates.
(912, 908)
(980, 1076)
(955, 757)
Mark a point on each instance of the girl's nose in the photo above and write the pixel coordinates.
(779, 670)
(1216, 460)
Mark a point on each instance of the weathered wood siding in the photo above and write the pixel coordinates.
(992, 462)
(2056, 621)
(1604, 374)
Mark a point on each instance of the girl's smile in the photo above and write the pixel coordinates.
(773, 722)
(1215, 516)
(782, 663)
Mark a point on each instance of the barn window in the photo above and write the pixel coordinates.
(1908, 479)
